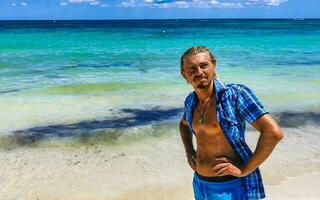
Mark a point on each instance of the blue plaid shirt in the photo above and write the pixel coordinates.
(235, 104)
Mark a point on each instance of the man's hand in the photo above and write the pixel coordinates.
(227, 168)
(191, 156)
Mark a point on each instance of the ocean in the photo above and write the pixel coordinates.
(118, 74)
(115, 86)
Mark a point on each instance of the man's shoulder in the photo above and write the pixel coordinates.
(234, 88)
(189, 98)
(231, 90)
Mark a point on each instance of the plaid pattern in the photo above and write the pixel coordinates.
(235, 104)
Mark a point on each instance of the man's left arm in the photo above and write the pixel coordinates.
(270, 135)
(251, 109)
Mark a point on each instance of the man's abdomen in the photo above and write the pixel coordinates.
(210, 147)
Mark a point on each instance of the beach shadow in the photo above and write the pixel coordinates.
(137, 117)
(92, 128)
(297, 119)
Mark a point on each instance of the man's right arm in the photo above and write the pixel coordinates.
(186, 137)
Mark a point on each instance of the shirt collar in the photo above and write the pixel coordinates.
(217, 88)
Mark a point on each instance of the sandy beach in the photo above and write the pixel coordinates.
(133, 167)
(301, 187)
(89, 109)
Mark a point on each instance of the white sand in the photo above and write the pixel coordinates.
(301, 187)
(95, 172)
(153, 168)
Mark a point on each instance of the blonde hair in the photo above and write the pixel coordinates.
(194, 51)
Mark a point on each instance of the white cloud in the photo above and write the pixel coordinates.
(90, 2)
(80, 1)
(218, 4)
(264, 3)
(24, 3)
(274, 2)
(174, 4)
(201, 4)
(182, 4)
(13, 4)
(62, 3)
(192, 4)
(95, 3)
(128, 3)
(223, 4)
(104, 5)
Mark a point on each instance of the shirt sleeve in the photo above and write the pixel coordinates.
(249, 106)
(184, 114)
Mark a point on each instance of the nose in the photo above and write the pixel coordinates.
(199, 71)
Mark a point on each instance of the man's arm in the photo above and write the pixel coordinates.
(270, 135)
(186, 137)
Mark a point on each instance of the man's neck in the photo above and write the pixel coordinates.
(205, 94)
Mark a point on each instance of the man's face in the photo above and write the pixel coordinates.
(199, 70)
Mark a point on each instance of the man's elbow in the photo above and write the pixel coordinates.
(183, 127)
(277, 134)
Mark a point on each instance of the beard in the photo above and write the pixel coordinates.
(204, 85)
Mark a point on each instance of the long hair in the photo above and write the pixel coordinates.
(195, 50)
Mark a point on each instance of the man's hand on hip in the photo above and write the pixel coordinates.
(191, 156)
(227, 168)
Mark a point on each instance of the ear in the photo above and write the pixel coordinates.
(214, 63)
(214, 67)
(215, 75)
(184, 75)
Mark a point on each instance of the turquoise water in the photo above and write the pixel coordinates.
(115, 74)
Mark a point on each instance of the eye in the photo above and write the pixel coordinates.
(204, 65)
(192, 69)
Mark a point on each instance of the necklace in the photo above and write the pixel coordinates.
(201, 119)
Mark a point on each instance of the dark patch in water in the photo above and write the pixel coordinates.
(299, 62)
(53, 76)
(9, 91)
(140, 117)
(296, 119)
(143, 70)
(85, 129)
(106, 65)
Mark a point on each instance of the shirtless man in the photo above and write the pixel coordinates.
(224, 166)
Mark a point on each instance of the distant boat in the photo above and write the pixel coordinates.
(298, 19)
(54, 21)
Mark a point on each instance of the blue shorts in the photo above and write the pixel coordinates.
(227, 190)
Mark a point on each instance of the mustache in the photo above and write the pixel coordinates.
(199, 77)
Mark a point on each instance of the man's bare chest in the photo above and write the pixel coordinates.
(205, 122)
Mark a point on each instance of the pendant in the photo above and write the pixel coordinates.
(200, 120)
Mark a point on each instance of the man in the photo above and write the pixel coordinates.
(225, 168)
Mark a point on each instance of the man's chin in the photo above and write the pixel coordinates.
(202, 86)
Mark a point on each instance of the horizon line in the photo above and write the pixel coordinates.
(123, 19)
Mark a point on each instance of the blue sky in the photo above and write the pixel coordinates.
(157, 9)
